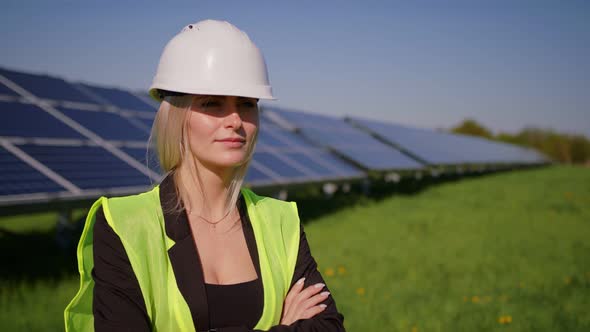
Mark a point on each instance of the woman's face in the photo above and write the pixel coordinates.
(222, 129)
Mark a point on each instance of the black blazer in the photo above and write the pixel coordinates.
(118, 304)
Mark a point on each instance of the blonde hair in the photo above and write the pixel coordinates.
(170, 137)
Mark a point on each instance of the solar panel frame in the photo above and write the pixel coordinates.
(6, 91)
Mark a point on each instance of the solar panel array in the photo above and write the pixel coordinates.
(440, 148)
(59, 139)
(65, 140)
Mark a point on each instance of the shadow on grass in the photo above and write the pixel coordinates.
(312, 203)
(32, 256)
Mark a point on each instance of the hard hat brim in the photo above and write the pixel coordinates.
(265, 93)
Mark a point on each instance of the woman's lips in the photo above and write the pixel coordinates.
(232, 142)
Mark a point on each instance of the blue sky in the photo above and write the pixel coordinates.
(507, 64)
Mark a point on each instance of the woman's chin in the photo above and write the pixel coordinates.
(229, 161)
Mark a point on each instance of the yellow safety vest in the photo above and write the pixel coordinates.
(138, 220)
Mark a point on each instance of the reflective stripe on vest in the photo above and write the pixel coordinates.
(139, 217)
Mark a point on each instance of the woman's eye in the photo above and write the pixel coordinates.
(249, 104)
(210, 103)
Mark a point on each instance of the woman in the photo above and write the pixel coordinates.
(198, 253)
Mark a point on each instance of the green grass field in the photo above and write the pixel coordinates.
(503, 252)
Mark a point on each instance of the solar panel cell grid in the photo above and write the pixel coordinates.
(46, 87)
(300, 154)
(19, 178)
(265, 138)
(147, 122)
(291, 139)
(141, 155)
(277, 165)
(351, 142)
(87, 167)
(311, 164)
(340, 137)
(27, 120)
(379, 159)
(335, 162)
(254, 175)
(120, 98)
(110, 126)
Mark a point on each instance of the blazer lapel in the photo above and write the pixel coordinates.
(184, 257)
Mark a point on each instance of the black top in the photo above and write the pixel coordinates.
(233, 305)
(118, 302)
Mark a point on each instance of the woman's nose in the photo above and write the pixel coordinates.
(233, 118)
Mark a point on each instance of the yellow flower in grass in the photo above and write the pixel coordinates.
(414, 329)
(329, 272)
(341, 270)
(475, 299)
(505, 319)
(360, 291)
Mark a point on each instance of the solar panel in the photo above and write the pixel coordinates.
(6, 91)
(279, 166)
(294, 159)
(19, 178)
(429, 146)
(148, 99)
(119, 98)
(87, 167)
(348, 141)
(108, 125)
(293, 147)
(444, 148)
(142, 155)
(254, 175)
(147, 122)
(27, 120)
(46, 87)
(499, 152)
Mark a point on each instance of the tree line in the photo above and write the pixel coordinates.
(560, 147)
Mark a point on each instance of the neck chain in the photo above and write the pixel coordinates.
(213, 223)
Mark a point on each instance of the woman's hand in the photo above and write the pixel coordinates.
(303, 303)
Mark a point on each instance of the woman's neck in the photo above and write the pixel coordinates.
(209, 192)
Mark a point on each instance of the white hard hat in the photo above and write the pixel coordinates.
(212, 58)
